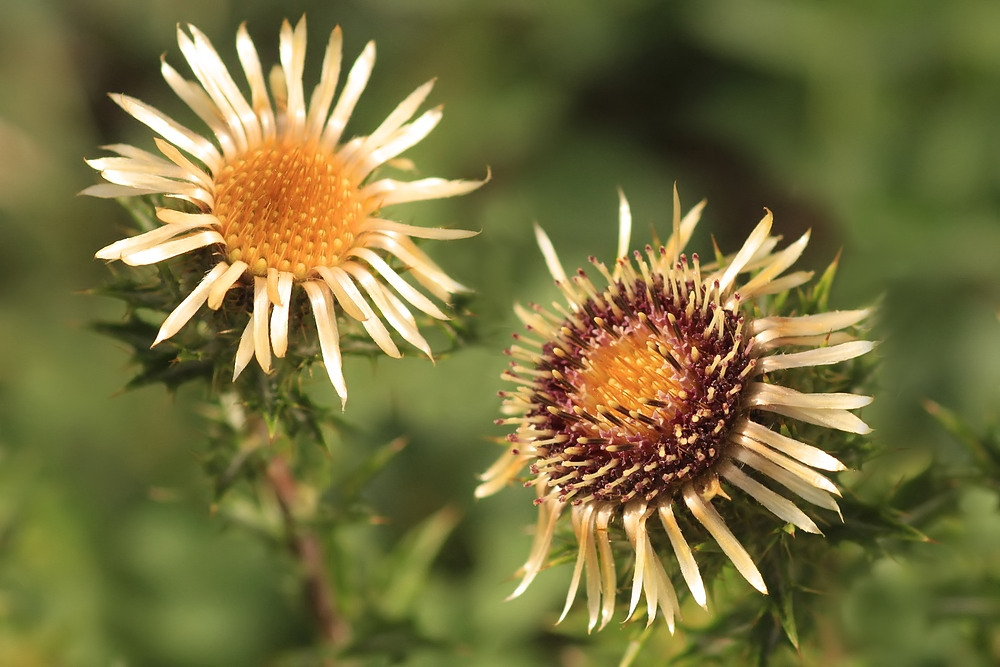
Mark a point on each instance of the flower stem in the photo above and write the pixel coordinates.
(307, 548)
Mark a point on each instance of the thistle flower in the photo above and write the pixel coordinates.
(651, 396)
(283, 201)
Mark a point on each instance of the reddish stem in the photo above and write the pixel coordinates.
(309, 551)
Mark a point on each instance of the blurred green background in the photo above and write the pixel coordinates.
(872, 123)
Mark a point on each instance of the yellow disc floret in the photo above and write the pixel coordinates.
(624, 373)
(290, 208)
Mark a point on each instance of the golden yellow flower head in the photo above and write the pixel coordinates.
(642, 396)
(284, 199)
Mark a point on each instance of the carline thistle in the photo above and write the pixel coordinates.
(640, 399)
(289, 206)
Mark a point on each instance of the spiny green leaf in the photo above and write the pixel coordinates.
(985, 450)
(786, 614)
(636, 645)
(820, 294)
(411, 561)
(352, 485)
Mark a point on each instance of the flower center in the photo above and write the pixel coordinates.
(288, 207)
(622, 373)
(642, 396)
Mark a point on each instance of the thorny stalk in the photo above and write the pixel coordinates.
(307, 548)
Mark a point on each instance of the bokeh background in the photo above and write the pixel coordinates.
(872, 123)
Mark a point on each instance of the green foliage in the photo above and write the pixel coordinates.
(873, 124)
